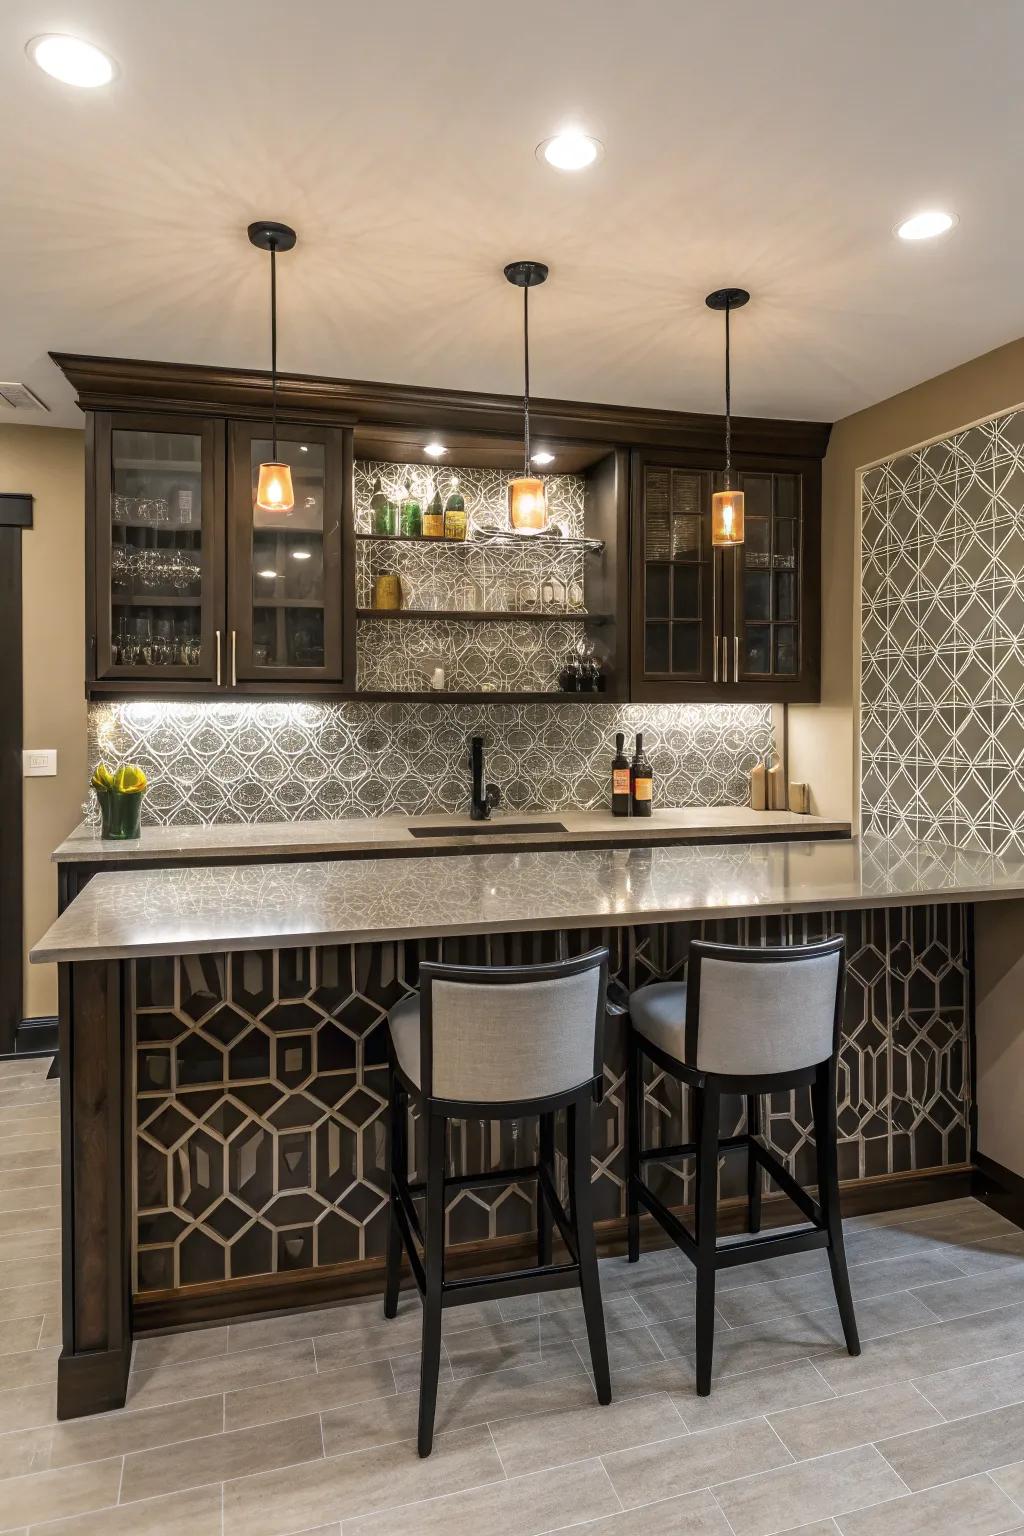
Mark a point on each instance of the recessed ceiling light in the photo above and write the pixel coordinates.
(926, 225)
(543, 457)
(303, 448)
(301, 554)
(572, 150)
(71, 60)
(435, 449)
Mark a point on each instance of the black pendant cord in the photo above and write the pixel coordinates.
(273, 350)
(526, 379)
(728, 407)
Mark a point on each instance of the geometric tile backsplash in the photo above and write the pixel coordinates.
(289, 760)
(942, 639)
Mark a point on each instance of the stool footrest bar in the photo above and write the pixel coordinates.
(521, 1282)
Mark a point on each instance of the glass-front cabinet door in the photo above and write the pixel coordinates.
(158, 550)
(775, 587)
(286, 619)
(673, 587)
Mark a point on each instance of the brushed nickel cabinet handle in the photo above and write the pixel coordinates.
(714, 661)
(217, 643)
(725, 659)
(234, 659)
(735, 658)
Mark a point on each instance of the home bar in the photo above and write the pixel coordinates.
(511, 812)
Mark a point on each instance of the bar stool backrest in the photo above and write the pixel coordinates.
(506, 1034)
(755, 1011)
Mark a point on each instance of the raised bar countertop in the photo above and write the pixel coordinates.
(391, 834)
(199, 910)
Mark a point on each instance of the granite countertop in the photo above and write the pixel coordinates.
(197, 910)
(388, 834)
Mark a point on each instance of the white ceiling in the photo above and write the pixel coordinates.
(771, 145)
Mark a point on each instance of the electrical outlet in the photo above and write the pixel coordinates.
(38, 763)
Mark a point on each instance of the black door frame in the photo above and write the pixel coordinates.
(15, 515)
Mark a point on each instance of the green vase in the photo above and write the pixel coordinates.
(121, 814)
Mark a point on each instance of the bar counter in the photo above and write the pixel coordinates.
(223, 1053)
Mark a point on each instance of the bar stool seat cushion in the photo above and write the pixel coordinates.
(404, 1024)
(658, 1013)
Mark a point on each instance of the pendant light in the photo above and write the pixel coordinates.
(527, 504)
(274, 490)
(727, 505)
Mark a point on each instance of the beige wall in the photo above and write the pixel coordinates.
(823, 739)
(48, 463)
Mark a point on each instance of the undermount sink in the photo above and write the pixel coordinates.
(482, 828)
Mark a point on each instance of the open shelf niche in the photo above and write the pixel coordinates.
(496, 611)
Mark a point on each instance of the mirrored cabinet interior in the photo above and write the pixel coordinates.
(366, 588)
(734, 624)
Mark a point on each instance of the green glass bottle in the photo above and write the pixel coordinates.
(383, 513)
(433, 518)
(455, 519)
(410, 524)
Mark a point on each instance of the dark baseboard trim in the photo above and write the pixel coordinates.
(34, 1037)
(998, 1187)
(95, 1382)
(262, 1295)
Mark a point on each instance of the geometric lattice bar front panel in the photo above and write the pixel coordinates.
(260, 1087)
(942, 640)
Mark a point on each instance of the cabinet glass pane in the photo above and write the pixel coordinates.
(156, 547)
(757, 594)
(686, 592)
(785, 649)
(758, 543)
(785, 543)
(757, 649)
(785, 595)
(288, 562)
(657, 591)
(686, 648)
(656, 648)
(657, 522)
(757, 490)
(685, 516)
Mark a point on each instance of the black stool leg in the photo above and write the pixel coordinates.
(433, 1234)
(708, 1109)
(547, 1160)
(754, 1180)
(826, 1137)
(397, 1168)
(581, 1214)
(634, 1135)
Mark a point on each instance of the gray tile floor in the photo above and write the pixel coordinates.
(304, 1424)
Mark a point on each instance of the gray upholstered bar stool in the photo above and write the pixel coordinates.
(496, 1043)
(748, 1021)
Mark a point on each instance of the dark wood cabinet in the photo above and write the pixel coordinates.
(730, 625)
(192, 590)
(290, 605)
(156, 552)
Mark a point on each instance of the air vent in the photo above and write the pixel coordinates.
(18, 397)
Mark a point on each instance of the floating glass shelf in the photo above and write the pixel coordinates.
(488, 615)
(495, 540)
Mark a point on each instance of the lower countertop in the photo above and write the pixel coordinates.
(205, 909)
(397, 834)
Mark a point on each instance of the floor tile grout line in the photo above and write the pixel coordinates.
(1017, 1503)
(501, 1464)
(718, 1505)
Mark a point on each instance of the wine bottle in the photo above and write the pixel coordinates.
(455, 520)
(621, 778)
(383, 512)
(433, 518)
(410, 518)
(642, 775)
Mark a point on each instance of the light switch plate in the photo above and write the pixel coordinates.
(39, 763)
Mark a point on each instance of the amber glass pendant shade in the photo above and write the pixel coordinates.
(726, 519)
(274, 489)
(527, 505)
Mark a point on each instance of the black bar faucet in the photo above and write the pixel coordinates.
(484, 797)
